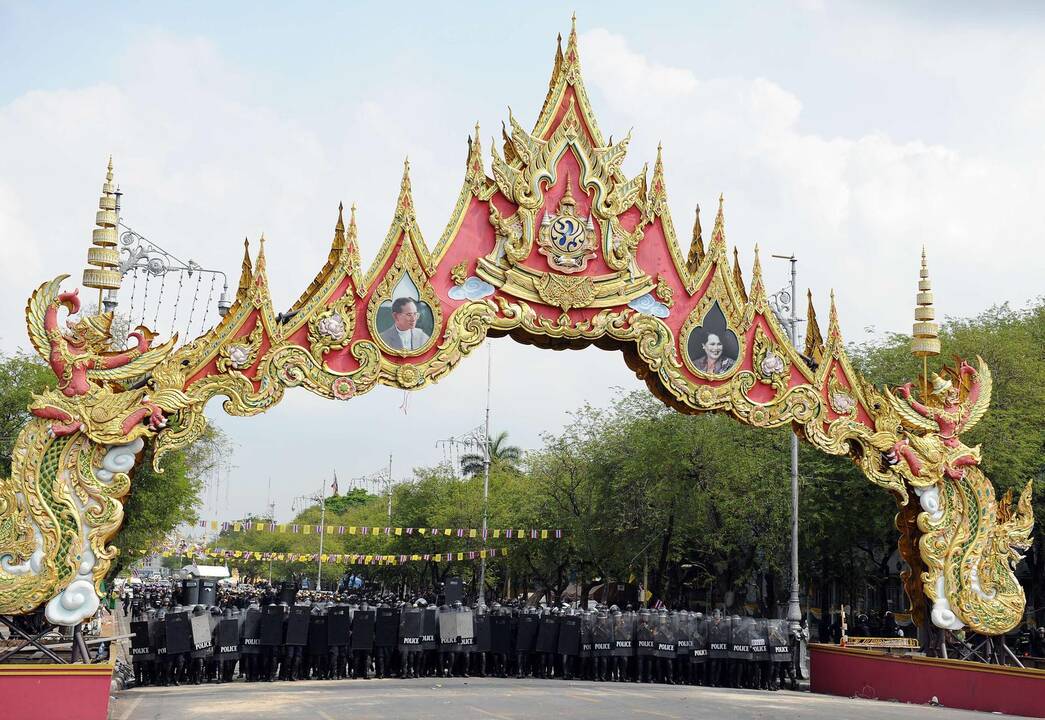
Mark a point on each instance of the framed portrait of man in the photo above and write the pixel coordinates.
(405, 324)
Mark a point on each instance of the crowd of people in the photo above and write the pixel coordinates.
(196, 632)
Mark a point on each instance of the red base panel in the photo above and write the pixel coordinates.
(55, 692)
(876, 675)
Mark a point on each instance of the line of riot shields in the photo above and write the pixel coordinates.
(335, 640)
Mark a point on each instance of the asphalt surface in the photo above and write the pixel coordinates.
(500, 699)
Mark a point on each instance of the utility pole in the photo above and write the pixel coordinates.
(486, 479)
(794, 607)
(322, 532)
(389, 488)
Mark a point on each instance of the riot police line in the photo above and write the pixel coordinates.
(301, 635)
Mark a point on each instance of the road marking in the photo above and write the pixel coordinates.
(653, 712)
(488, 713)
(131, 707)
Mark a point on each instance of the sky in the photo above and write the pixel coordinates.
(850, 134)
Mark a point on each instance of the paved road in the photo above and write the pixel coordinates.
(479, 699)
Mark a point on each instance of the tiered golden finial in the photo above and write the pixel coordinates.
(696, 246)
(925, 341)
(103, 255)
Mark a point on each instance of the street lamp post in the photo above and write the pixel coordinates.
(794, 607)
(486, 480)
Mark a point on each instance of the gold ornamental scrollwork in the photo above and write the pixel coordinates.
(239, 354)
(772, 366)
(332, 328)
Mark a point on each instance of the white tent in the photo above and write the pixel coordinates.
(216, 572)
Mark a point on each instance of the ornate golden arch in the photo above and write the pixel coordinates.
(503, 266)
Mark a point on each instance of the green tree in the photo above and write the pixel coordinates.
(21, 375)
(501, 453)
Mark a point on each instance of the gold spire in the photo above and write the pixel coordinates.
(718, 233)
(405, 203)
(103, 255)
(259, 264)
(571, 56)
(814, 349)
(738, 275)
(926, 332)
(696, 246)
(353, 231)
(474, 174)
(247, 272)
(833, 331)
(758, 290)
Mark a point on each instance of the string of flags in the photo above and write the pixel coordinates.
(306, 529)
(337, 558)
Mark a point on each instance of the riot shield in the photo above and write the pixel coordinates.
(189, 592)
(288, 592)
(141, 647)
(179, 633)
(623, 634)
(741, 631)
(386, 627)
(644, 641)
(226, 639)
(663, 636)
(526, 632)
(465, 621)
(453, 591)
(718, 638)
(208, 592)
(682, 624)
(363, 630)
(430, 628)
(759, 638)
(587, 633)
(338, 625)
(202, 640)
(483, 642)
(410, 629)
(699, 635)
(158, 637)
(447, 628)
(548, 634)
(500, 633)
(251, 632)
(569, 635)
(297, 626)
(602, 635)
(317, 634)
(778, 640)
(272, 625)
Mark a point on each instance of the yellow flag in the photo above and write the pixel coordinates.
(330, 529)
(282, 527)
(352, 530)
(460, 556)
(237, 527)
(497, 533)
(472, 533)
(544, 534)
(446, 531)
(307, 529)
(399, 531)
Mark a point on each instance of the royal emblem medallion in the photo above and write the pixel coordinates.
(565, 238)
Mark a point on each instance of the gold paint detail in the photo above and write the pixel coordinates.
(459, 273)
